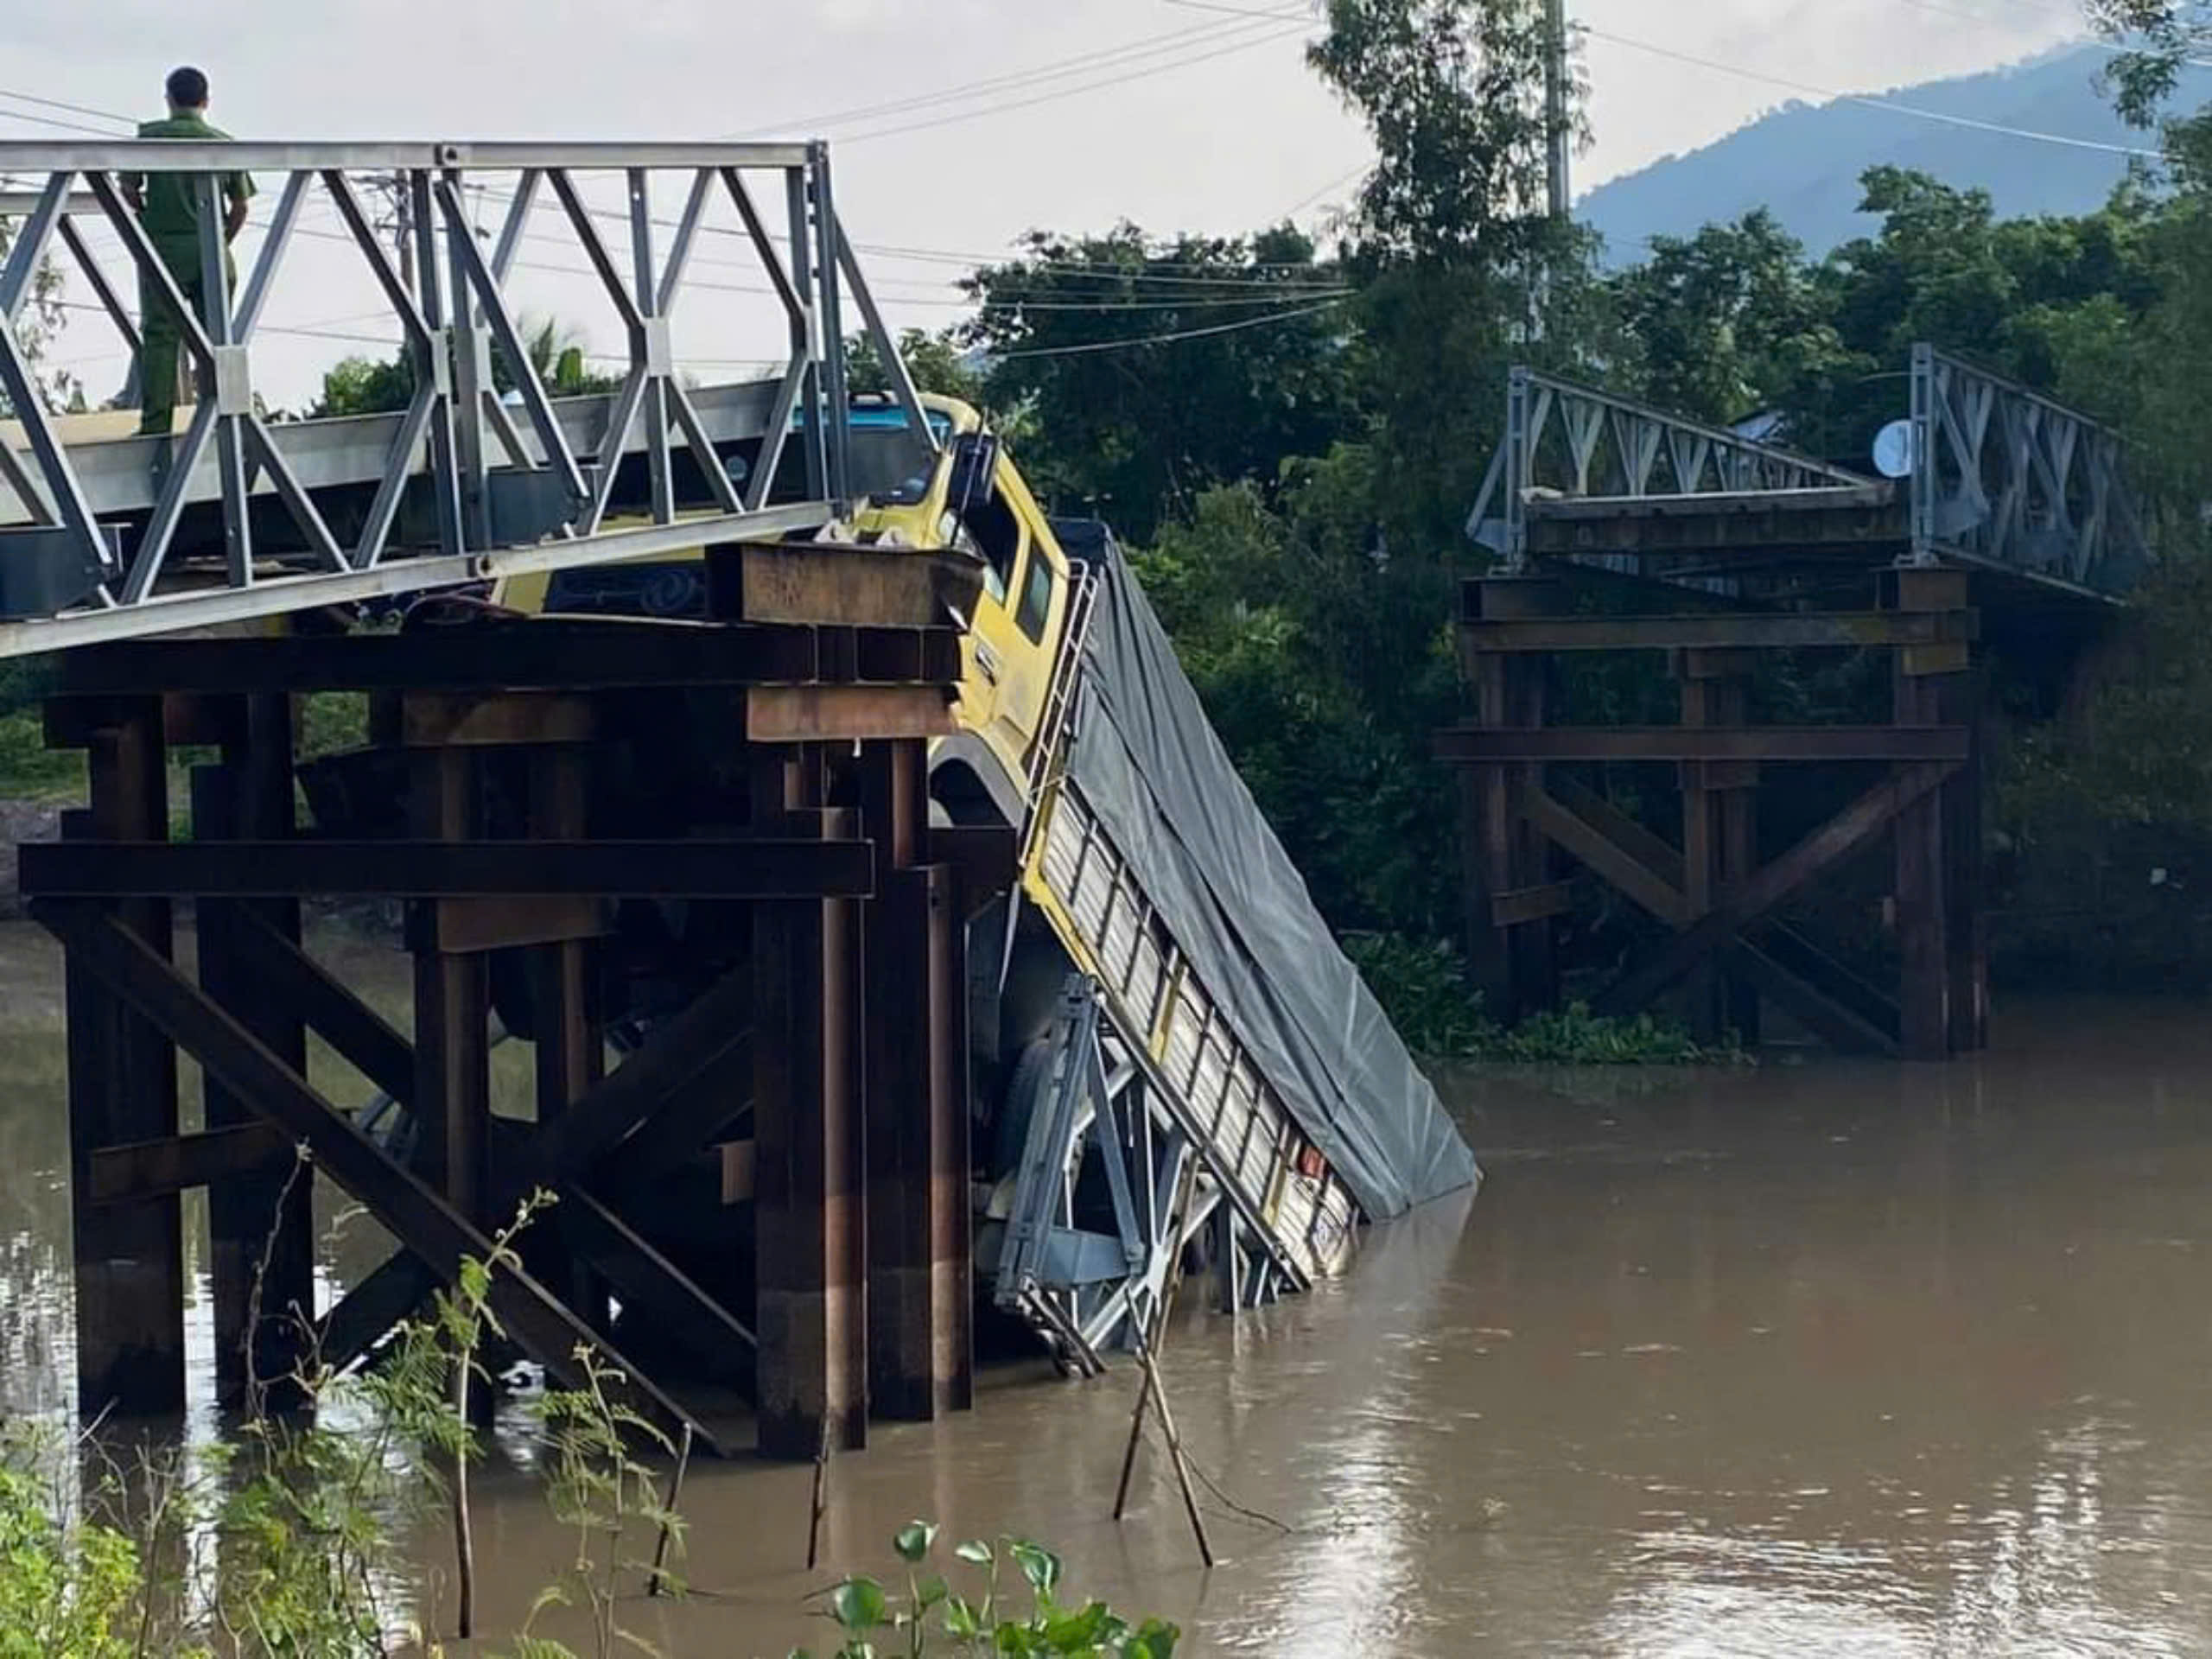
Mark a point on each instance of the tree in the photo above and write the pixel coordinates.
(1726, 322)
(35, 329)
(1453, 93)
(1152, 371)
(2160, 36)
(936, 363)
(557, 358)
(361, 386)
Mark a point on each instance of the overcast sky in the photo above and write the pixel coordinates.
(1172, 113)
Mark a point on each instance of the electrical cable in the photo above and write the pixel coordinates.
(1147, 46)
(54, 121)
(1806, 88)
(1872, 102)
(1089, 347)
(1266, 39)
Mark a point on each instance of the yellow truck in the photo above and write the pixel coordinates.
(1138, 1104)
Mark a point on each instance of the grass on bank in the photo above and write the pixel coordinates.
(1422, 986)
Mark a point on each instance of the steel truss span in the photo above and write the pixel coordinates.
(2001, 479)
(244, 514)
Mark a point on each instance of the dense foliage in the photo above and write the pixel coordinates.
(1298, 484)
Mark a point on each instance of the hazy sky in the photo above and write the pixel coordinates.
(1169, 112)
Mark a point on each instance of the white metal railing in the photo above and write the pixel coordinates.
(2005, 477)
(494, 477)
(1615, 447)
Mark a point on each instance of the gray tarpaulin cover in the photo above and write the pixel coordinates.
(1148, 762)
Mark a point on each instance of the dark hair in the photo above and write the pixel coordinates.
(187, 89)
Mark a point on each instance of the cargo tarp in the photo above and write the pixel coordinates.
(1147, 763)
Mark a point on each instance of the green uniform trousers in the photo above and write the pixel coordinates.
(160, 335)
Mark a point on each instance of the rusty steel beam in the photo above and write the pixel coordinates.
(1490, 746)
(683, 1125)
(1521, 905)
(985, 859)
(365, 1315)
(733, 868)
(810, 1224)
(1787, 631)
(690, 1052)
(867, 587)
(496, 719)
(642, 1274)
(290, 979)
(897, 656)
(423, 1221)
(554, 653)
(150, 1169)
(1836, 1023)
(1746, 903)
(128, 1259)
(823, 714)
(1658, 888)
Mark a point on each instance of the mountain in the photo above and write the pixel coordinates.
(1804, 161)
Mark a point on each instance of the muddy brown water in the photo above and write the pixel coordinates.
(1831, 1357)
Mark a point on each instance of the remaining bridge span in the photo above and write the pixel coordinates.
(2011, 527)
(2002, 481)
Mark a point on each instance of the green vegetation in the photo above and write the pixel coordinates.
(293, 1540)
(31, 772)
(1423, 984)
(932, 1608)
(1297, 492)
(365, 386)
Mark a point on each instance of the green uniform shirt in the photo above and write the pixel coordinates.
(171, 213)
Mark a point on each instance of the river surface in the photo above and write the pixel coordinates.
(1823, 1358)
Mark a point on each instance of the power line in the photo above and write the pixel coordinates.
(1312, 196)
(54, 121)
(1264, 39)
(1163, 340)
(1804, 88)
(72, 108)
(1147, 46)
(1871, 101)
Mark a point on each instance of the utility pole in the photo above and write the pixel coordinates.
(396, 218)
(1556, 132)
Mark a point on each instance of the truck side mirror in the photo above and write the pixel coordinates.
(975, 464)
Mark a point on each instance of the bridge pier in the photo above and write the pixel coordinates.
(771, 1186)
(129, 1246)
(1719, 889)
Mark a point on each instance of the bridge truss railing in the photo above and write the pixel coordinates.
(1571, 440)
(2006, 478)
(505, 493)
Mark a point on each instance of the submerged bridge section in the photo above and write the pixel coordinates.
(1620, 528)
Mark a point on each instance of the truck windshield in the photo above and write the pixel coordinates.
(887, 465)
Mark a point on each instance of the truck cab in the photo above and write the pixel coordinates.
(965, 494)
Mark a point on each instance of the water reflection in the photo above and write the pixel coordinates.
(1853, 1358)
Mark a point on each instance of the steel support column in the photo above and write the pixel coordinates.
(809, 1219)
(260, 1221)
(129, 1257)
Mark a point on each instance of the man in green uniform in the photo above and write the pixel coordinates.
(167, 205)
